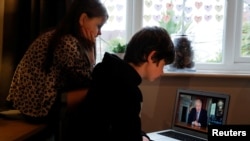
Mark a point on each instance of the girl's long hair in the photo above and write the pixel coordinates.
(70, 26)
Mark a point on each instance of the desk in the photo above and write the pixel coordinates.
(18, 129)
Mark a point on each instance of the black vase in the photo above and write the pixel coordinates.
(184, 54)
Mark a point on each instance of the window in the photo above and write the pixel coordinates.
(243, 54)
(220, 42)
(245, 39)
(114, 31)
(202, 20)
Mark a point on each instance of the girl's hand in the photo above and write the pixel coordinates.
(88, 34)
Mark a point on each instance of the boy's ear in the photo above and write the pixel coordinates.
(150, 56)
(82, 18)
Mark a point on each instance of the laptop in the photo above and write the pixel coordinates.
(188, 126)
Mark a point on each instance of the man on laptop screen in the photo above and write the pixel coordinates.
(198, 116)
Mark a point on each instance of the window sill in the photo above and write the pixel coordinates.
(209, 73)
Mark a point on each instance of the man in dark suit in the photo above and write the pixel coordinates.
(197, 115)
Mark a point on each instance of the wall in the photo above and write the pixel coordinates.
(159, 98)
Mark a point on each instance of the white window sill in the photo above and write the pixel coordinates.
(208, 73)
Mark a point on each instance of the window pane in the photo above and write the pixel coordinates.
(203, 20)
(245, 38)
(114, 30)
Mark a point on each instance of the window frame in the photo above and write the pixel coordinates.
(232, 40)
(238, 26)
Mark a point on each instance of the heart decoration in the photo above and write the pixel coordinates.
(157, 7)
(188, 9)
(207, 14)
(176, 18)
(111, 18)
(218, 17)
(110, 8)
(179, 7)
(188, 19)
(197, 19)
(169, 6)
(208, 17)
(157, 17)
(218, 8)
(147, 17)
(166, 18)
(198, 5)
(119, 7)
(119, 18)
(208, 7)
(148, 3)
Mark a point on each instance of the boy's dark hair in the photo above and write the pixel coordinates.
(70, 25)
(150, 39)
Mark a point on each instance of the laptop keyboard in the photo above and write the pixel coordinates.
(180, 136)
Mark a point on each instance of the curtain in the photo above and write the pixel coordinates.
(23, 21)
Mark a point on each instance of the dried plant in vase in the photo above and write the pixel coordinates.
(184, 53)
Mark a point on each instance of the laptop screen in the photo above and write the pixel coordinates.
(195, 110)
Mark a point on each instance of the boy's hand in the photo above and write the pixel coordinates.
(145, 138)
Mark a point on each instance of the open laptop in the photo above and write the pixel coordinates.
(215, 104)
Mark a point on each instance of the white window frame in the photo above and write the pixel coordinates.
(233, 15)
(238, 26)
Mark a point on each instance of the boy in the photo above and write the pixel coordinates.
(111, 109)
